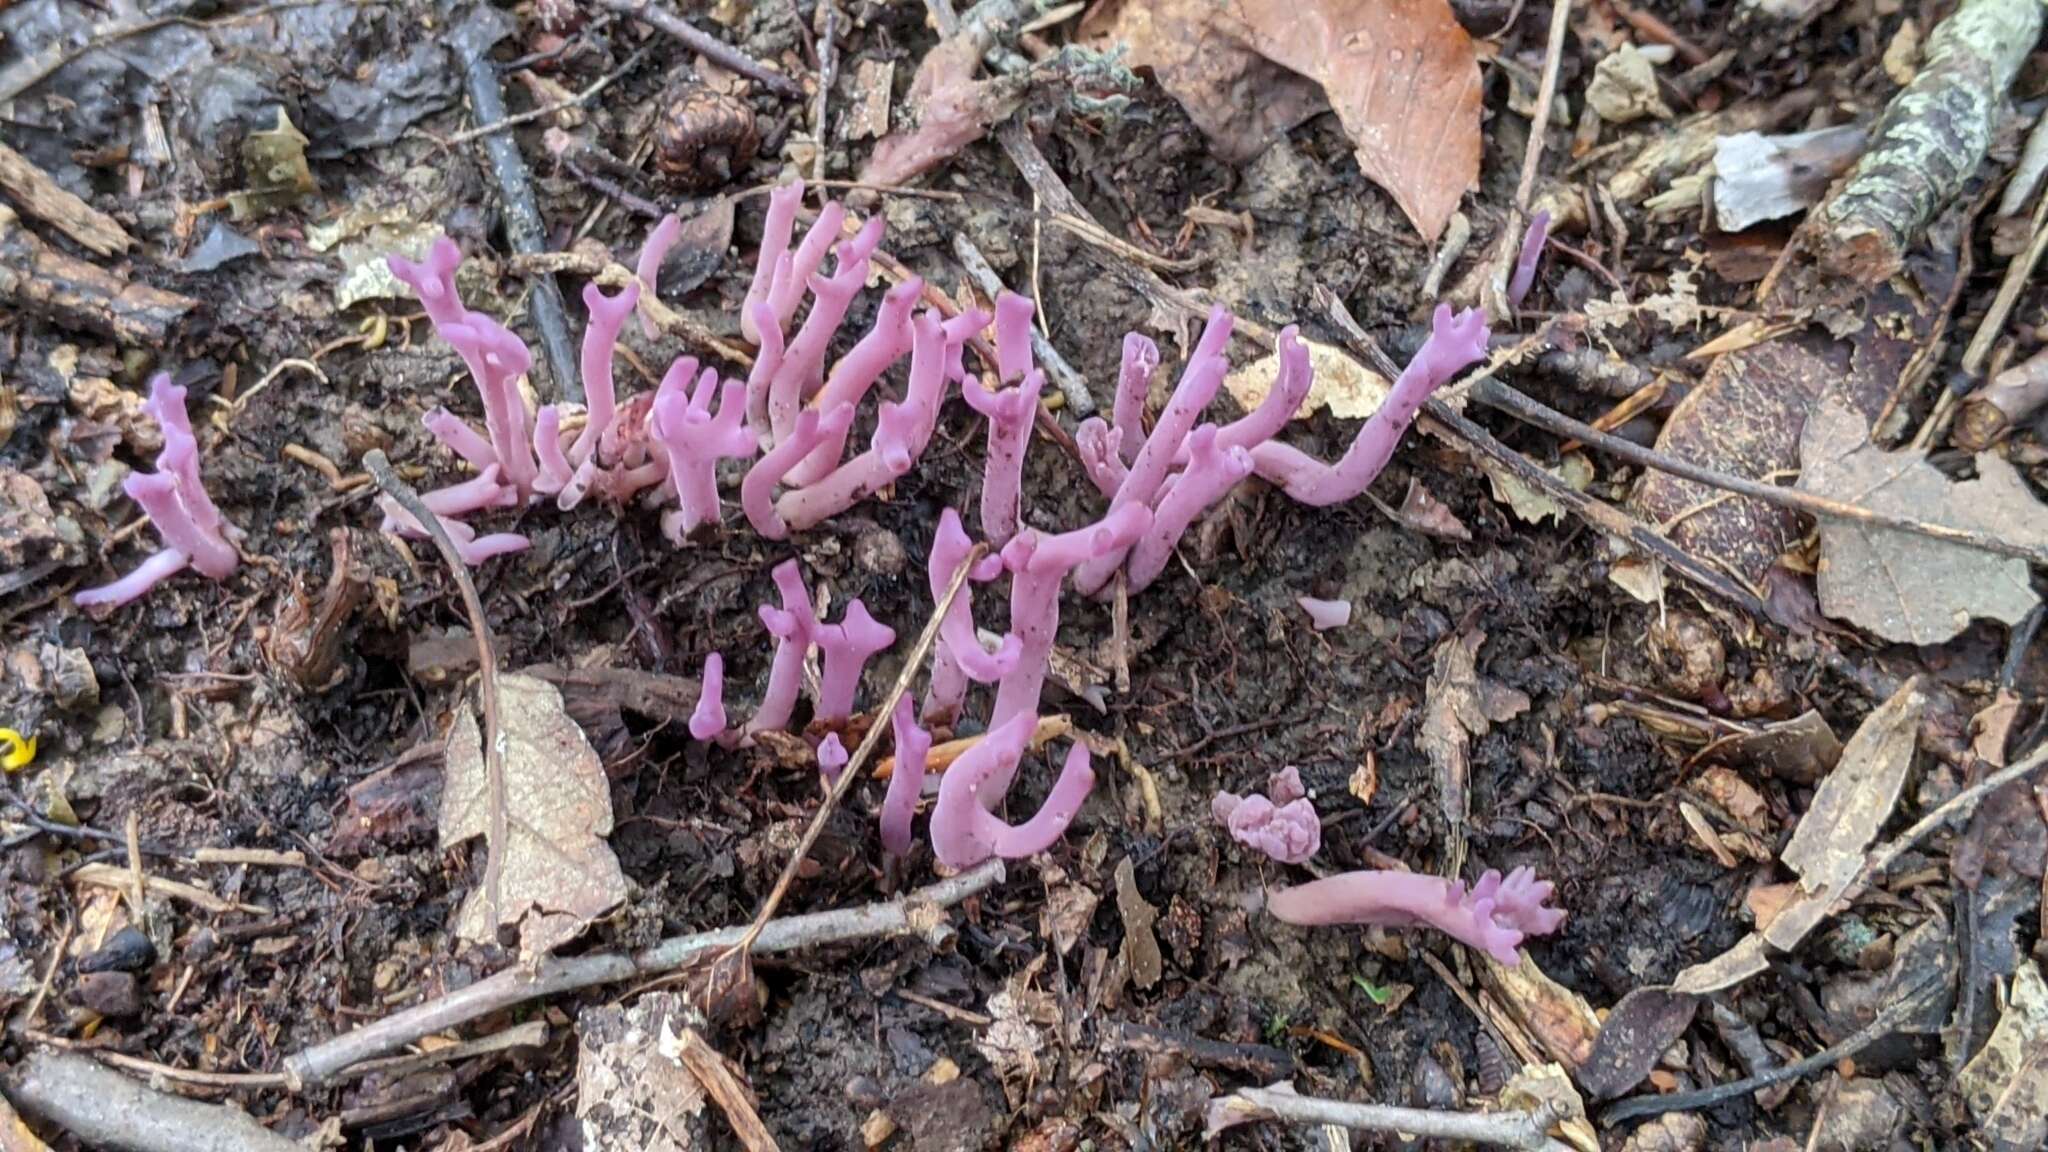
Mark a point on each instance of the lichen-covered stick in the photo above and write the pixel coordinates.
(555, 975)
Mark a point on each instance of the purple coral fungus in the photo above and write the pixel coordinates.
(966, 830)
(1493, 917)
(175, 500)
(1282, 823)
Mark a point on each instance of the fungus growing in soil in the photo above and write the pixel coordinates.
(666, 446)
(1494, 916)
(175, 500)
(1282, 823)
(966, 830)
(1525, 261)
(1182, 467)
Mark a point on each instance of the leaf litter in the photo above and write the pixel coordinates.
(1903, 586)
(559, 873)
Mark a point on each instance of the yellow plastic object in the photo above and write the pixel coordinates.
(16, 751)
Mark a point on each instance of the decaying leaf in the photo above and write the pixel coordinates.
(1532, 505)
(1759, 177)
(1402, 76)
(1560, 1020)
(632, 1089)
(1420, 511)
(1633, 1038)
(1341, 384)
(1909, 588)
(1802, 749)
(2006, 1084)
(558, 873)
(1141, 947)
(1624, 88)
(1858, 796)
(1827, 848)
(1240, 100)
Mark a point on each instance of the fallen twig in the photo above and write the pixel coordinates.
(379, 468)
(915, 914)
(523, 224)
(828, 64)
(1539, 122)
(1505, 1129)
(722, 1086)
(37, 279)
(1954, 808)
(710, 47)
(106, 1109)
(1494, 394)
(43, 197)
(1883, 1025)
(574, 101)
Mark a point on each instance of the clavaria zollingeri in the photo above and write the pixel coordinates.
(175, 500)
(1282, 823)
(667, 444)
(1494, 916)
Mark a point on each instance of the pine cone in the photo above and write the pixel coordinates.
(706, 137)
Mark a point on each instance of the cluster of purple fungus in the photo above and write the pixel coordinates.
(792, 417)
(175, 500)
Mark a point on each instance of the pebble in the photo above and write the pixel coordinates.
(127, 951)
(111, 994)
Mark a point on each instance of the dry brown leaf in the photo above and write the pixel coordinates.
(1422, 512)
(1402, 76)
(1560, 1020)
(632, 1090)
(1906, 587)
(1241, 101)
(1341, 384)
(557, 872)
(1827, 848)
(1856, 799)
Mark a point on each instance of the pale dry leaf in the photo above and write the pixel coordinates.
(1347, 388)
(1856, 799)
(1402, 76)
(1905, 587)
(2006, 1084)
(557, 872)
(1642, 577)
(632, 1089)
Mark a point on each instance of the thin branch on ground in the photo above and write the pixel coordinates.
(1491, 392)
(1539, 122)
(577, 100)
(1525, 1130)
(710, 47)
(1073, 389)
(379, 468)
(1883, 1025)
(1956, 807)
(523, 224)
(106, 1109)
(828, 65)
(856, 767)
(916, 914)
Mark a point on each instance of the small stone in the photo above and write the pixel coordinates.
(879, 552)
(115, 995)
(71, 679)
(128, 951)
